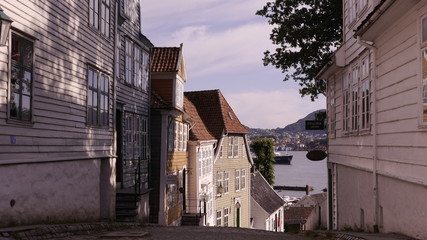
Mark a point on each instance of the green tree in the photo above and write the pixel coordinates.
(264, 151)
(306, 32)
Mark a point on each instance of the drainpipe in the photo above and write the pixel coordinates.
(370, 46)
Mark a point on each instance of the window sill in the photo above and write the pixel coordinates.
(20, 123)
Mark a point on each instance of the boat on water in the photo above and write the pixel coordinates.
(284, 158)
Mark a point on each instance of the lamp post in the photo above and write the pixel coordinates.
(5, 23)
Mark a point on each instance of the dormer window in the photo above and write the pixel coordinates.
(229, 115)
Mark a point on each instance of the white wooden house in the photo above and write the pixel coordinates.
(200, 187)
(57, 158)
(266, 205)
(377, 124)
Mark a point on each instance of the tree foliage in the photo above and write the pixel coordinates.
(264, 151)
(306, 32)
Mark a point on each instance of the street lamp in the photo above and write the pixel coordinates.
(5, 23)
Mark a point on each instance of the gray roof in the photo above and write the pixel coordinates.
(263, 194)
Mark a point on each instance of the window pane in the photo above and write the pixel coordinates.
(26, 106)
(26, 83)
(14, 105)
(424, 29)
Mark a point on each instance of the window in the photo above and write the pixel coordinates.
(218, 218)
(331, 100)
(21, 80)
(355, 99)
(220, 152)
(179, 94)
(346, 102)
(243, 179)
(424, 70)
(131, 10)
(137, 63)
(226, 181)
(233, 147)
(219, 182)
(98, 98)
(145, 69)
(178, 136)
(351, 11)
(99, 15)
(172, 195)
(365, 95)
(237, 180)
(205, 161)
(135, 135)
(128, 61)
(226, 213)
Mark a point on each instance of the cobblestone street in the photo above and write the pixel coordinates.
(123, 231)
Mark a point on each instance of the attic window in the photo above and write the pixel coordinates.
(229, 114)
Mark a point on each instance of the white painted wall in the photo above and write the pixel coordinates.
(51, 192)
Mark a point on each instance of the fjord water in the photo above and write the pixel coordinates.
(301, 172)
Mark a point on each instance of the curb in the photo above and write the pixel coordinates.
(37, 232)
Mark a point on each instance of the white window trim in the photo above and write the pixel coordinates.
(237, 180)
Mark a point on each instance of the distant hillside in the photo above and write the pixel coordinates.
(297, 127)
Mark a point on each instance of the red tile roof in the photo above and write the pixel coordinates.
(295, 215)
(215, 112)
(198, 130)
(165, 59)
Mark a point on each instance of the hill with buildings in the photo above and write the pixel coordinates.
(293, 136)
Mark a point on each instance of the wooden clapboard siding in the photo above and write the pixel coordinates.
(134, 99)
(177, 160)
(64, 45)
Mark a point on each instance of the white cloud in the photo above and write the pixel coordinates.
(271, 109)
(207, 51)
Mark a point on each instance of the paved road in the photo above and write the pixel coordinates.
(191, 233)
(123, 231)
(215, 233)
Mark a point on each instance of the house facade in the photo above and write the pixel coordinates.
(377, 124)
(232, 160)
(200, 188)
(266, 205)
(319, 204)
(57, 161)
(131, 108)
(169, 136)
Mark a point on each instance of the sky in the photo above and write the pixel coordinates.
(223, 45)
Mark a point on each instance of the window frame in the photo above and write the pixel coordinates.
(226, 182)
(237, 186)
(99, 93)
(233, 147)
(219, 181)
(423, 72)
(226, 214)
(219, 218)
(242, 179)
(99, 16)
(10, 92)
